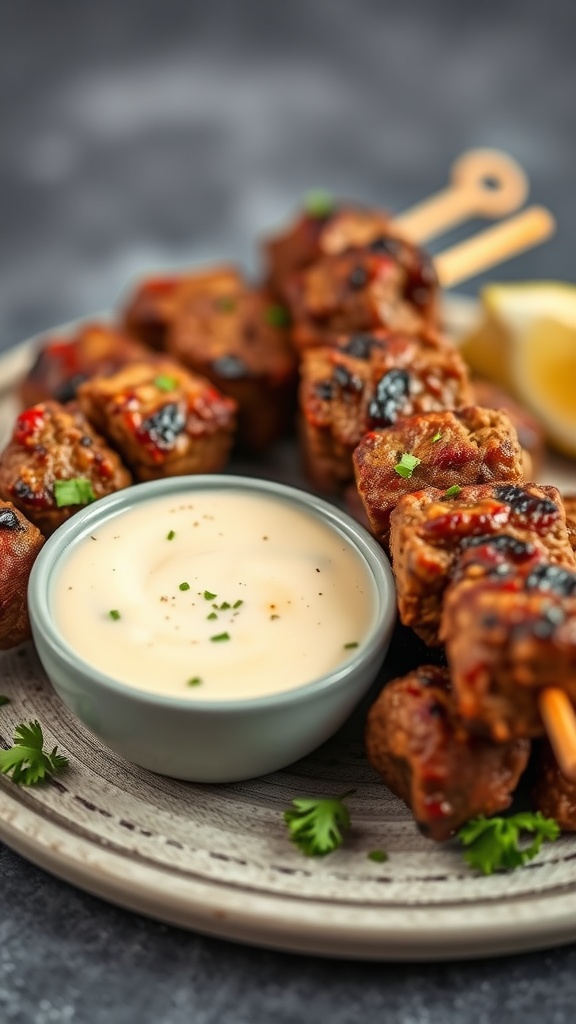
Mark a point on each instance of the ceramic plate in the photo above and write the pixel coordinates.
(217, 858)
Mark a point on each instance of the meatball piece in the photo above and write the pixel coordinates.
(444, 774)
(429, 532)
(151, 309)
(453, 449)
(55, 463)
(20, 542)
(509, 631)
(529, 429)
(553, 794)
(163, 420)
(367, 381)
(64, 363)
(331, 228)
(387, 284)
(238, 337)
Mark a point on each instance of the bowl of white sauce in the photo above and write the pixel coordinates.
(211, 628)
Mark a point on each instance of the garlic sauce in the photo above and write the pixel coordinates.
(216, 595)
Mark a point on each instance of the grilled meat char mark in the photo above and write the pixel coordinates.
(454, 447)
(509, 631)
(429, 532)
(51, 443)
(445, 774)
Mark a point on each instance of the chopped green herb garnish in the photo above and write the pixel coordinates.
(224, 606)
(212, 616)
(183, 586)
(452, 491)
(170, 535)
(437, 436)
(77, 491)
(26, 762)
(195, 681)
(237, 604)
(219, 637)
(378, 856)
(225, 304)
(114, 614)
(165, 383)
(318, 203)
(493, 844)
(407, 465)
(4, 700)
(277, 316)
(272, 617)
(208, 596)
(348, 647)
(315, 826)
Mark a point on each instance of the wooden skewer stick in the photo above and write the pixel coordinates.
(494, 245)
(482, 183)
(559, 719)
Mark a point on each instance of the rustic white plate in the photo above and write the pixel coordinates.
(217, 858)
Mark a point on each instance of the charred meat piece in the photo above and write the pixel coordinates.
(569, 501)
(388, 284)
(454, 449)
(529, 429)
(151, 308)
(55, 463)
(367, 381)
(429, 532)
(64, 363)
(552, 793)
(332, 228)
(426, 757)
(20, 542)
(509, 630)
(163, 420)
(238, 337)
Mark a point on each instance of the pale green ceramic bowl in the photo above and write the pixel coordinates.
(201, 740)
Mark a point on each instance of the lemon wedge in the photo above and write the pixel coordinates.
(526, 342)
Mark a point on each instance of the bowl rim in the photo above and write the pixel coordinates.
(81, 523)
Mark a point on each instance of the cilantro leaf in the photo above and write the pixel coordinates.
(315, 826)
(164, 382)
(407, 465)
(77, 491)
(493, 844)
(27, 762)
(319, 203)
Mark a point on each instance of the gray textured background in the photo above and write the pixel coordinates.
(141, 134)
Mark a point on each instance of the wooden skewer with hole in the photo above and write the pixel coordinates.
(482, 183)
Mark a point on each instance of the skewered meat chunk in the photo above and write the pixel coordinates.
(367, 381)
(443, 773)
(20, 542)
(509, 630)
(238, 338)
(151, 309)
(163, 420)
(529, 429)
(467, 446)
(429, 532)
(50, 445)
(330, 229)
(569, 501)
(388, 284)
(553, 794)
(63, 363)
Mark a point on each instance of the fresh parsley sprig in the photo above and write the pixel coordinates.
(493, 844)
(27, 763)
(316, 826)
